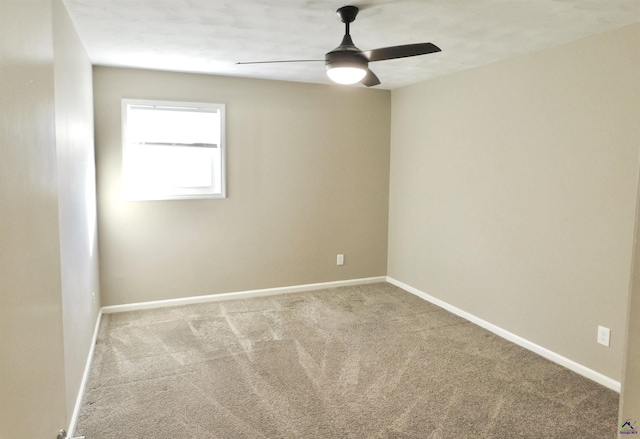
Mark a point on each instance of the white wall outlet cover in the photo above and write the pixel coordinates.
(604, 334)
(340, 260)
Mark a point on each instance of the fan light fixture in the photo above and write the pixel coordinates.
(346, 74)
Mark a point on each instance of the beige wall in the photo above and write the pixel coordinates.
(47, 228)
(307, 178)
(76, 197)
(630, 396)
(32, 395)
(513, 193)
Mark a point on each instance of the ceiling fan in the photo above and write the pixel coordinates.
(346, 64)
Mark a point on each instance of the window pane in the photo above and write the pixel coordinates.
(149, 125)
(192, 167)
(169, 166)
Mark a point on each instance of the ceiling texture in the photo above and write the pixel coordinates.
(211, 36)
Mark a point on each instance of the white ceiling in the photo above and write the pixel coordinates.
(210, 36)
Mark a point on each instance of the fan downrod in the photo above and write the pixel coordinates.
(347, 14)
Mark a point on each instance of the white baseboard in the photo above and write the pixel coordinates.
(544, 352)
(240, 295)
(85, 376)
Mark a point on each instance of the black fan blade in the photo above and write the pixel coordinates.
(370, 79)
(400, 51)
(273, 62)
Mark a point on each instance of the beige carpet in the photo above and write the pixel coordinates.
(369, 361)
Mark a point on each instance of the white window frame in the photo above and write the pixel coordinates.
(173, 193)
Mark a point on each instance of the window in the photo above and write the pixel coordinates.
(172, 150)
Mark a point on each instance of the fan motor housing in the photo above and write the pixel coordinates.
(346, 58)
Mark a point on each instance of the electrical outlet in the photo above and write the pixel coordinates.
(340, 260)
(603, 335)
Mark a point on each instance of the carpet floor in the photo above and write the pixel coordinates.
(367, 361)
